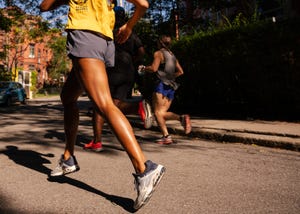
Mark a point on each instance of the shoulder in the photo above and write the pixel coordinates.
(158, 54)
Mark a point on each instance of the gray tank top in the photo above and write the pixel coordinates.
(166, 70)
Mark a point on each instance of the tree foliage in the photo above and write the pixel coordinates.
(5, 23)
(56, 18)
(19, 27)
(59, 64)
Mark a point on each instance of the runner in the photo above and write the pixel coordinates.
(167, 68)
(121, 78)
(90, 46)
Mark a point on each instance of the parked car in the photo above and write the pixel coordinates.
(12, 92)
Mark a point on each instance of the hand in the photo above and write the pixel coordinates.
(141, 70)
(123, 34)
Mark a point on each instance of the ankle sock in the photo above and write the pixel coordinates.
(70, 161)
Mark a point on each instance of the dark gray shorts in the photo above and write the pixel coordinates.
(86, 44)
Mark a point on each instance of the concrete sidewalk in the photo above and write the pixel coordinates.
(277, 134)
(284, 135)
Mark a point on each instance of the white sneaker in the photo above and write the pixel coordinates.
(146, 113)
(65, 166)
(146, 183)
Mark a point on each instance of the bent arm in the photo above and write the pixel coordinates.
(47, 5)
(140, 8)
(179, 70)
(158, 58)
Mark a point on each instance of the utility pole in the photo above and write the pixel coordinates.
(176, 18)
(176, 25)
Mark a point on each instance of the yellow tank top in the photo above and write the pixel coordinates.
(94, 15)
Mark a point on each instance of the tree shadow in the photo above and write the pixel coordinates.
(83, 139)
(55, 134)
(61, 137)
(126, 203)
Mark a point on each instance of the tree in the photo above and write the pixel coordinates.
(56, 16)
(59, 64)
(5, 26)
(19, 30)
(5, 23)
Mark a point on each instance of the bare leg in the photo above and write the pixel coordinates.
(94, 79)
(161, 106)
(69, 95)
(98, 122)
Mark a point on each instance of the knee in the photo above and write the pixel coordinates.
(158, 113)
(104, 108)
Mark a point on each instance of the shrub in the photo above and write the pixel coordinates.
(243, 69)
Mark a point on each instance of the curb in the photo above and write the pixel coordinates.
(266, 139)
(231, 136)
(271, 140)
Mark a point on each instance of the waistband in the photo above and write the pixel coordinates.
(96, 33)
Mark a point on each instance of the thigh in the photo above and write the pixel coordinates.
(92, 75)
(160, 102)
(120, 83)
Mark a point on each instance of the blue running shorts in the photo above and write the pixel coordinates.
(165, 90)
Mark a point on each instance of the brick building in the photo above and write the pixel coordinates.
(23, 49)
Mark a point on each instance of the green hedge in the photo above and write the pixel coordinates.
(246, 71)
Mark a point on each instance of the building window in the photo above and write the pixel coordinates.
(31, 67)
(39, 56)
(31, 51)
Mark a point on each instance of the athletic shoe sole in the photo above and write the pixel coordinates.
(66, 171)
(89, 146)
(93, 150)
(166, 142)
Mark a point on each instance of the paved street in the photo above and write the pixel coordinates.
(202, 176)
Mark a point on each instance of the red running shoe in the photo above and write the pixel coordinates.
(186, 123)
(165, 140)
(97, 147)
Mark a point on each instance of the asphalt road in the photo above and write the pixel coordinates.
(201, 177)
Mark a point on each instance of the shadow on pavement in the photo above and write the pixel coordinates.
(126, 203)
(28, 158)
(35, 160)
(5, 206)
